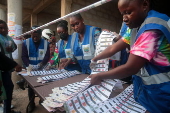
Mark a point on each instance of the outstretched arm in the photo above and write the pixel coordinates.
(133, 65)
(7, 64)
(111, 50)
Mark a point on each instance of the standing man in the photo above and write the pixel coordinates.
(35, 51)
(7, 46)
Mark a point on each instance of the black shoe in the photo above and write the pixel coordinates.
(21, 84)
(12, 111)
(31, 107)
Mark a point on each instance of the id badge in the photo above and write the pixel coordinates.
(41, 53)
(68, 53)
(86, 50)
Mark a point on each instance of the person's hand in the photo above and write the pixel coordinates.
(93, 64)
(95, 79)
(68, 61)
(18, 68)
(64, 63)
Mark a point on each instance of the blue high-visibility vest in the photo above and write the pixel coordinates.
(152, 87)
(66, 53)
(36, 55)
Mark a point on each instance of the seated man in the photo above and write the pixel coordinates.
(35, 51)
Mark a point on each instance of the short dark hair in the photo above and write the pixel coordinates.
(3, 22)
(78, 16)
(63, 24)
(39, 31)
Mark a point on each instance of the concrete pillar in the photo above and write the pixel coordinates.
(66, 9)
(15, 21)
(3, 14)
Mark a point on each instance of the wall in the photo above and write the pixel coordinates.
(106, 16)
(43, 18)
(47, 14)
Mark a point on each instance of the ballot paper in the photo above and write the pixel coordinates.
(123, 103)
(56, 77)
(37, 67)
(104, 41)
(62, 94)
(44, 72)
(101, 66)
(23, 72)
(33, 70)
(84, 102)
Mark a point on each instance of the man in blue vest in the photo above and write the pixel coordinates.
(35, 51)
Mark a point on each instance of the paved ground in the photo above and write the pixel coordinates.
(20, 102)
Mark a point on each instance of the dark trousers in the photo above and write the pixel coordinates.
(31, 94)
(9, 86)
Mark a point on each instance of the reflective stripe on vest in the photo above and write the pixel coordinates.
(45, 46)
(85, 58)
(90, 42)
(40, 58)
(28, 45)
(155, 20)
(133, 37)
(72, 42)
(32, 58)
(58, 44)
(153, 79)
(91, 45)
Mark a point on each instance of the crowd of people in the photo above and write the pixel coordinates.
(143, 41)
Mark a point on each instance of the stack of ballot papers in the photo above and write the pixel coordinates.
(105, 40)
(123, 103)
(45, 72)
(33, 70)
(84, 102)
(56, 77)
(95, 100)
(61, 94)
